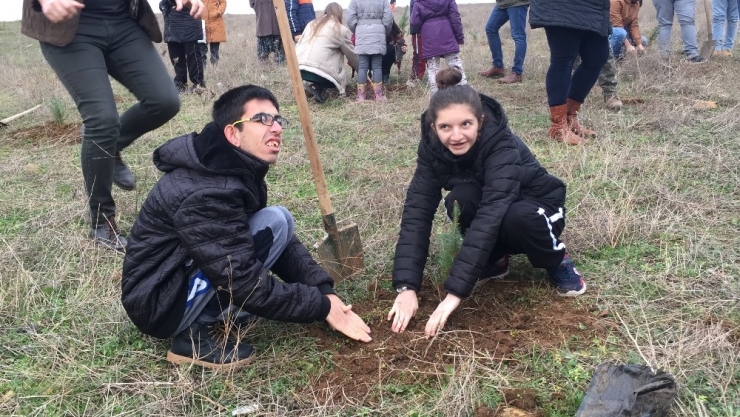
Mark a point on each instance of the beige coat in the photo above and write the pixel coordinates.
(325, 54)
(214, 17)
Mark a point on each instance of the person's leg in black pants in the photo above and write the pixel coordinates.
(195, 65)
(121, 49)
(214, 52)
(178, 58)
(529, 227)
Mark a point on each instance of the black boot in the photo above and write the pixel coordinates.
(200, 345)
(122, 176)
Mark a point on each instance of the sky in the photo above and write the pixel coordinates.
(11, 9)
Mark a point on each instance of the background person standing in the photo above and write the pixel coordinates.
(215, 30)
(268, 31)
(514, 12)
(85, 44)
(684, 11)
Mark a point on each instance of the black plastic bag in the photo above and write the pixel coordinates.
(628, 391)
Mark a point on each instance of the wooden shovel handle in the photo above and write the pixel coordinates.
(303, 113)
(708, 12)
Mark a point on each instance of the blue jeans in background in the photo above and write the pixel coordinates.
(616, 40)
(684, 10)
(517, 18)
(724, 11)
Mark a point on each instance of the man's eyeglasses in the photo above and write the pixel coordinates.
(265, 119)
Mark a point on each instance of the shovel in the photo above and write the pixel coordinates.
(340, 251)
(707, 47)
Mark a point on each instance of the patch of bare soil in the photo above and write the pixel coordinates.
(49, 133)
(500, 319)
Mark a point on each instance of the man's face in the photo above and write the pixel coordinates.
(256, 138)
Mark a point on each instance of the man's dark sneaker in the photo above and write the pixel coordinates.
(495, 270)
(200, 345)
(122, 176)
(108, 236)
(566, 279)
(318, 93)
(696, 60)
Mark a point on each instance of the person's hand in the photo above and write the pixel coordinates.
(297, 38)
(404, 308)
(60, 10)
(196, 7)
(404, 48)
(342, 319)
(439, 317)
(640, 49)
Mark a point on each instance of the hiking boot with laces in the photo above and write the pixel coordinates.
(107, 235)
(566, 279)
(495, 270)
(122, 175)
(202, 345)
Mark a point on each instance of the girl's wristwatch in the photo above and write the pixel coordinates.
(402, 289)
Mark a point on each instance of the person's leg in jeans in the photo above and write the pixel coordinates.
(685, 11)
(362, 68)
(214, 46)
(178, 58)
(616, 41)
(724, 24)
(594, 52)
(496, 20)
(376, 66)
(272, 229)
(564, 47)
(518, 25)
(664, 14)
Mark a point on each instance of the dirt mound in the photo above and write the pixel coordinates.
(49, 133)
(500, 319)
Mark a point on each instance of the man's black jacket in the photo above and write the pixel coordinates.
(199, 210)
(501, 164)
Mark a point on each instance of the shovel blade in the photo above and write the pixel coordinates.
(707, 49)
(342, 257)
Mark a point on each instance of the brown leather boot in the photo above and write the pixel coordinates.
(559, 129)
(575, 126)
(360, 93)
(493, 72)
(511, 78)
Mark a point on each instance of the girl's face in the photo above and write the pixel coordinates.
(457, 128)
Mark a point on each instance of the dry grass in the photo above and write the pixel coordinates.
(653, 225)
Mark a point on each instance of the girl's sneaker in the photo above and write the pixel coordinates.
(566, 279)
(495, 270)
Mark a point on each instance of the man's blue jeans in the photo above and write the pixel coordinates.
(724, 11)
(517, 16)
(616, 40)
(684, 10)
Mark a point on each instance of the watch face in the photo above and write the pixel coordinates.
(401, 289)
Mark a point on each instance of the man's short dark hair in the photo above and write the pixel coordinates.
(230, 106)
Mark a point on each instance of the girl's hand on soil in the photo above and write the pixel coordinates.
(342, 319)
(59, 10)
(404, 308)
(439, 317)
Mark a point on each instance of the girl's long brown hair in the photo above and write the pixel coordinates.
(332, 11)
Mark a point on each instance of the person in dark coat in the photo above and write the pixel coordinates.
(204, 242)
(440, 25)
(182, 33)
(300, 13)
(87, 44)
(573, 28)
(267, 31)
(508, 203)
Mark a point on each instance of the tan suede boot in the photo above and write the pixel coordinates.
(573, 107)
(559, 129)
(360, 93)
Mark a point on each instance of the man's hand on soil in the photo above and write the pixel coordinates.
(404, 308)
(342, 319)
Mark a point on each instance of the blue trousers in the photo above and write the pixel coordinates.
(517, 18)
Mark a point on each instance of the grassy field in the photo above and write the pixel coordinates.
(653, 225)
